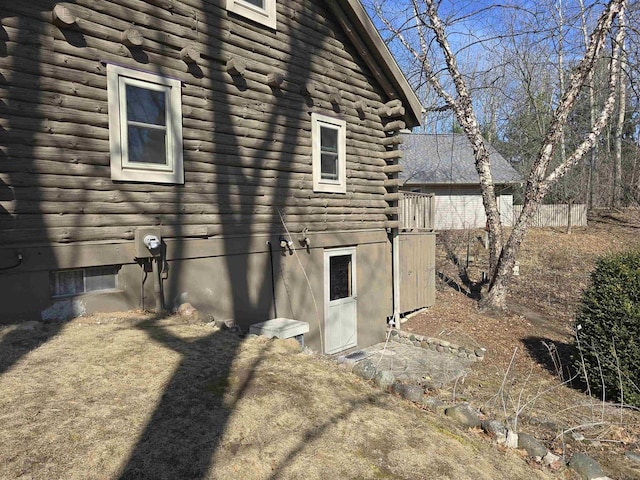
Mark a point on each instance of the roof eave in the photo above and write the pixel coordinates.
(383, 58)
(459, 184)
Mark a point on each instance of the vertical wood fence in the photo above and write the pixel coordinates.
(416, 211)
(557, 215)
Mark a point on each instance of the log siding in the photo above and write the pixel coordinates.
(263, 148)
(248, 94)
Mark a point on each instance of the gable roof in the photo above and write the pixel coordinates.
(359, 28)
(448, 159)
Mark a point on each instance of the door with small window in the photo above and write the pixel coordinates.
(340, 299)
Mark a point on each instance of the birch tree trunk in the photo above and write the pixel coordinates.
(619, 129)
(592, 107)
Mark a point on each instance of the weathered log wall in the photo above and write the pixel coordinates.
(247, 145)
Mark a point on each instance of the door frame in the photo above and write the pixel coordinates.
(334, 252)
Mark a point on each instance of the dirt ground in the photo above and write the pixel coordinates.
(135, 397)
(527, 375)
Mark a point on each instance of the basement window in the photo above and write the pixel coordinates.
(328, 140)
(65, 283)
(260, 11)
(145, 126)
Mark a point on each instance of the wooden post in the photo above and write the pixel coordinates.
(190, 54)
(132, 37)
(395, 125)
(236, 66)
(274, 80)
(392, 109)
(335, 97)
(308, 88)
(62, 16)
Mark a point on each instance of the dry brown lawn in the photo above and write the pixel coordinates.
(554, 269)
(132, 396)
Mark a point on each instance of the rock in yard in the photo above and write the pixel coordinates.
(463, 414)
(346, 363)
(186, 309)
(586, 467)
(433, 403)
(365, 369)
(64, 310)
(408, 391)
(496, 430)
(533, 447)
(413, 393)
(384, 379)
(550, 458)
(512, 439)
(633, 456)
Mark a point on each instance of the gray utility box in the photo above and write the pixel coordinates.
(142, 251)
(281, 328)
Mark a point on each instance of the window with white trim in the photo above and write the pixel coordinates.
(145, 126)
(328, 140)
(260, 11)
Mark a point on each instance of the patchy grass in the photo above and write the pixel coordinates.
(133, 396)
(537, 387)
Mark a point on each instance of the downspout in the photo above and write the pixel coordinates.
(273, 281)
(395, 267)
(158, 286)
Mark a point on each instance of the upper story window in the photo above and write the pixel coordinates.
(328, 139)
(260, 11)
(145, 126)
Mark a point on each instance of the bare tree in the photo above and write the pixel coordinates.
(430, 29)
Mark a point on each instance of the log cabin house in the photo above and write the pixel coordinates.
(237, 155)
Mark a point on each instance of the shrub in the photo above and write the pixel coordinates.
(608, 328)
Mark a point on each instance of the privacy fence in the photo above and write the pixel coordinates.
(557, 215)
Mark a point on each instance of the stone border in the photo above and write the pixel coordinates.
(437, 345)
(465, 415)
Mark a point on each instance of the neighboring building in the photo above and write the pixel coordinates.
(444, 165)
(253, 141)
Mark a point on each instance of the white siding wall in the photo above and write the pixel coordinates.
(460, 208)
(505, 206)
(459, 212)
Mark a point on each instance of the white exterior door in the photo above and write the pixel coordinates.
(340, 299)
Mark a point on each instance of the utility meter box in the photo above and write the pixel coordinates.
(148, 242)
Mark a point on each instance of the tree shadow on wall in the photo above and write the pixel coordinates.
(22, 222)
(247, 178)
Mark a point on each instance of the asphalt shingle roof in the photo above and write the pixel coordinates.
(448, 159)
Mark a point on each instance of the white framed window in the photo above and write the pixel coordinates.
(145, 126)
(329, 159)
(260, 11)
(66, 283)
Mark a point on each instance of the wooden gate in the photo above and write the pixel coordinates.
(417, 270)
